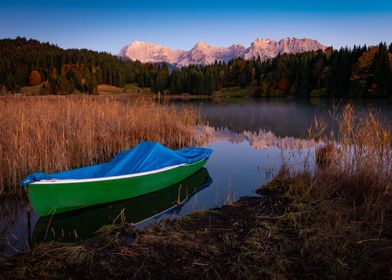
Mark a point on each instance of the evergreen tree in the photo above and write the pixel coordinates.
(209, 83)
(382, 71)
(162, 79)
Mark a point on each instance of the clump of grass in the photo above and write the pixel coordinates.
(342, 211)
(358, 166)
(54, 133)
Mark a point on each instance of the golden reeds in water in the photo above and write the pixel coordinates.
(55, 133)
(357, 167)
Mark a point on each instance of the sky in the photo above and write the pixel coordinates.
(109, 25)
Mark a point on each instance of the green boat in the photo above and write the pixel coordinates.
(147, 168)
(140, 211)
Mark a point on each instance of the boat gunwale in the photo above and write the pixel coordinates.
(76, 181)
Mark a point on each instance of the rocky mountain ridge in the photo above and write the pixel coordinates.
(203, 53)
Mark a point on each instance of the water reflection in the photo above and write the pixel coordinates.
(283, 117)
(260, 140)
(16, 222)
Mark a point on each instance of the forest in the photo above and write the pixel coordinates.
(28, 62)
(361, 71)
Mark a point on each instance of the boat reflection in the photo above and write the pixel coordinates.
(82, 224)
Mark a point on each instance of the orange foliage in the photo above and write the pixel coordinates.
(34, 78)
(366, 58)
(328, 52)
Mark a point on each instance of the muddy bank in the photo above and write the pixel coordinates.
(283, 234)
(204, 244)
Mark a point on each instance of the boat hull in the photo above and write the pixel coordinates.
(53, 198)
(83, 223)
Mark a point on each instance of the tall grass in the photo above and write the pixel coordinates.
(359, 166)
(54, 133)
(335, 221)
(351, 190)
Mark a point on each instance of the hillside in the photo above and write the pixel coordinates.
(29, 62)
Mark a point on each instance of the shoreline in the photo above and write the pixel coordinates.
(227, 93)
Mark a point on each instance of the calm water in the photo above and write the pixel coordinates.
(251, 139)
(283, 117)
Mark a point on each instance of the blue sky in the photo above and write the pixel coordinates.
(109, 25)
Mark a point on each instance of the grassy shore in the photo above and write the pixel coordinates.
(54, 133)
(235, 92)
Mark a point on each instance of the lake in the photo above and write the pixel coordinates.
(251, 140)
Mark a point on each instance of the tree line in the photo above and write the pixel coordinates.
(29, 62)
(360, 71)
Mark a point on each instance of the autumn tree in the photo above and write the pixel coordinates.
(34, 78)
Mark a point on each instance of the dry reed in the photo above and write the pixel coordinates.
(54, 133)
(359, 167)
(339, 216)
(349, 198)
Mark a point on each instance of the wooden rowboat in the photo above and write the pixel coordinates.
(65, 191)
(142, 210)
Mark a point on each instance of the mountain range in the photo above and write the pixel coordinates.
(203, 53)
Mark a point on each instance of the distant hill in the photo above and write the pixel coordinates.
(26, 62)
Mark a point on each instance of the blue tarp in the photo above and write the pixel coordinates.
(146, 156)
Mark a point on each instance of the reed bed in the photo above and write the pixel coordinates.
(333, 221)
(343, 210)
(358, 167)
(54, 133)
